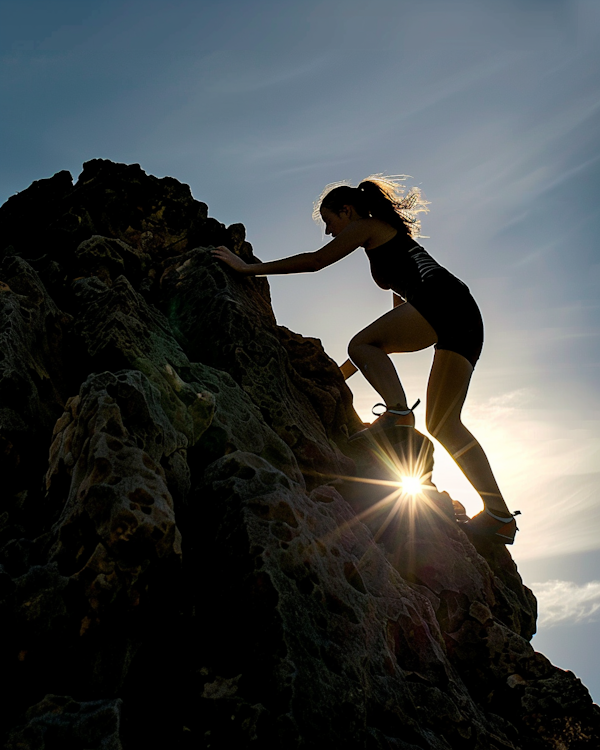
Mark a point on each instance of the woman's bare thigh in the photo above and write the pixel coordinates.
(403, 329)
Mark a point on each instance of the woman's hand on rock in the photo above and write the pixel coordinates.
(233, 261)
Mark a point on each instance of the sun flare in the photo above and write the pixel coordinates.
(411, 485)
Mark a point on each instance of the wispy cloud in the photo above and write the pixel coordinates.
(451, 83)
(244, 76)
(564, 602)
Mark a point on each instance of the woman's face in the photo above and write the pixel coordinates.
(334, 223)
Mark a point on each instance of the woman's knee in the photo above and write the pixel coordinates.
(356, 344)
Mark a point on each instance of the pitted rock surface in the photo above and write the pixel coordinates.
(185, 557)
(248, 344)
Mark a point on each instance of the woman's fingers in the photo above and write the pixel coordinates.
(233, 261)
(222, 252)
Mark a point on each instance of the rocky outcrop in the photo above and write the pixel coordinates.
(186, 556)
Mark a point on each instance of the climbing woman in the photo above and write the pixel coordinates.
(431, 308)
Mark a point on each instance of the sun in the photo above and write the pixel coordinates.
(411, 485)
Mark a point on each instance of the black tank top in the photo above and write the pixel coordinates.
(403, 266)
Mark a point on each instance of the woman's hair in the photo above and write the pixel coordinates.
(379, 197)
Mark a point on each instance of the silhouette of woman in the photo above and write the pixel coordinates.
(431, 308)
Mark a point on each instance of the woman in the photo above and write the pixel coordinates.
(431, 307)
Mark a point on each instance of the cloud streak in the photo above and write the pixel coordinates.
(564, 602)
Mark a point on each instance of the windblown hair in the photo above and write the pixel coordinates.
(379, 197)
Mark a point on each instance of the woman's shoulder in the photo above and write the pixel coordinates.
(383, 234)
(378, 233)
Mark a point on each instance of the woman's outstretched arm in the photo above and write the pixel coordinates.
(353, 236)
(302, 263)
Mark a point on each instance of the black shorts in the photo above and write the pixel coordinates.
(448, 306)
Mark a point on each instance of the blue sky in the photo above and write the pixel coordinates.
(493, 108)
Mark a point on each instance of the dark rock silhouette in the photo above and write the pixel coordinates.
(182, 560)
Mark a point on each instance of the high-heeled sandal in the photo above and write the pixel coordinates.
(385, 420)
(487, 525)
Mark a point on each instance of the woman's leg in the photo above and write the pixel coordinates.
(403, 329)
(446, 393)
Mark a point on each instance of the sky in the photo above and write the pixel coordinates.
(493, 109)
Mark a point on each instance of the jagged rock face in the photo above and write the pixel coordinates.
(184, 559)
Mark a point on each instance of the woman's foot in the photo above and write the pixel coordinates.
(392, 416)
(496, 526)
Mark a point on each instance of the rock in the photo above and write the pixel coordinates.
(34, 382)
(186, 557)
(107, 259)
(67, 723)
(248, 345)
(114, 448)
(117, 328)
(44, 200)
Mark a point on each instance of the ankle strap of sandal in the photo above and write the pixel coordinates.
(500, 518)
(399, 412)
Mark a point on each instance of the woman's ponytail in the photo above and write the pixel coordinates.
(380, 197)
